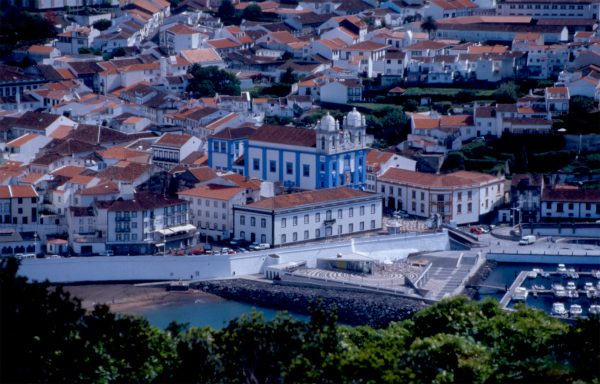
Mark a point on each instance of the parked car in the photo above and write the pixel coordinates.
(108, 252)
(241, 250)
(236, 241)
(227, 251)
(526, 240)
(179, 252)
(484, 228)
(198, 251)
(475, 230)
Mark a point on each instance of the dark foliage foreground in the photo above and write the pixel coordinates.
(47, 337)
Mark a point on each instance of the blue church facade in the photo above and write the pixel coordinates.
(299, 158)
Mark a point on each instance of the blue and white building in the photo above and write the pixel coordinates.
(301, 158)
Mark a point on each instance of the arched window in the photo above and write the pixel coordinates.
(322, 142)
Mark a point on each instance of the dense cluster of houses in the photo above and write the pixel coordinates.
(105, 152)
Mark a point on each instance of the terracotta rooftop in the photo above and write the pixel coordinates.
(458, 179)
(144, 201)
(173, 140)
(124, 171)
(573, 195)
(12, 191)
(278, 134)
(308, 198)
(212, 191)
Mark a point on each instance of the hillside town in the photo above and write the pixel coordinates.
(154, 127)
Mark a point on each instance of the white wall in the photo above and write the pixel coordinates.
(131, 268)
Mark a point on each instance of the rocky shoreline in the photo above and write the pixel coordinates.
(482, 274)
(354, 308)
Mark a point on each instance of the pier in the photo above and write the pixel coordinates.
(522, 277)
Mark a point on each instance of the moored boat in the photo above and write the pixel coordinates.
(594, 309)
(558, 309)
(575, 310)
(520, 294)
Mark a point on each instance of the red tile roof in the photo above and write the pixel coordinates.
(458, 179)
(308, 198)
(278, 134)
(212, 191)
(12, 191)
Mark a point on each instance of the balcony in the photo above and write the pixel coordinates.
(122, 230)
(123, 218)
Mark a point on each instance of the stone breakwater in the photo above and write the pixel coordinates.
(354, 308)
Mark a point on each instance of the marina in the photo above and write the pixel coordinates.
(565, 292)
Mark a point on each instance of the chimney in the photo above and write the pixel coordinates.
(18, 99)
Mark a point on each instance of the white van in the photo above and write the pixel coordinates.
(526, 240)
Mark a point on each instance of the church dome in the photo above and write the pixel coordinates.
(328, 123)
(354, 119)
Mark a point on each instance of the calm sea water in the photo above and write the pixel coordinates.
(206, 314)
(505, 273)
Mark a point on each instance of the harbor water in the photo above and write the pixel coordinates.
(214, 314)
(505, 273)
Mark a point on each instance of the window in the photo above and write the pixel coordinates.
(263, 223)
(289, 168)
(351, 212)
(362, 226)
(317, 218)
(570, 205)
(469, 208)
(559, 207)
(372, 208)
(272, 166)
(328, 214)
(295, 221)
(469, 195)
(422, 208)
(362, 210)
(253, 221)
(350, 228)
(383, 189)
(283, 239)
(317, 233)
(306, 219)
(283, 222)
(340, 214)
(339, 230)
(422, 195)
(295, 236)
(256, 164)
(459, 209)
(414, 194)
(305, 235)
(372, 224)
(242, 234)
(306, 170)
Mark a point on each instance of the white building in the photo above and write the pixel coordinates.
(171, 148)
(147, 224)
(211, 208)
(460, 197)
(306, 216)
(570, 204)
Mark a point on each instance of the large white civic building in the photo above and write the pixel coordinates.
(309, 215)
(461, 197)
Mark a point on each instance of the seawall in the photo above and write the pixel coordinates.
(155, 268)
(354, 308)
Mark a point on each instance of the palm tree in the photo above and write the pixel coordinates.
(429, 25)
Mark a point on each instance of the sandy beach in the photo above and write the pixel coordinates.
(127, 298)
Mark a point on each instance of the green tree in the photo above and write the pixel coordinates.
(288, 77)
(429, 25)
(102, 25)
(226, 9)
(506, 93)
(252, 12)
(207, 81)
(581, 105)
